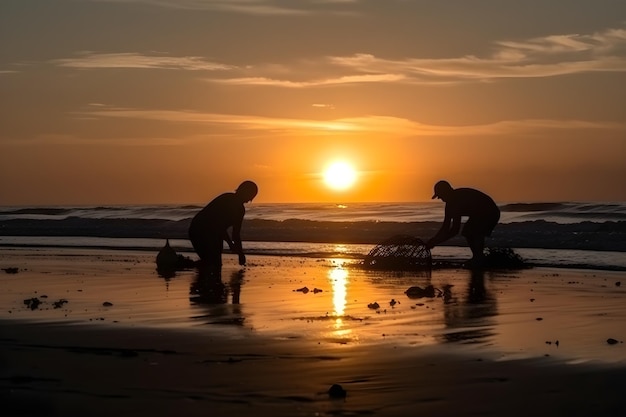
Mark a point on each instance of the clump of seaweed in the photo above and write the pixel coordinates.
(398, 253)
(503, 258)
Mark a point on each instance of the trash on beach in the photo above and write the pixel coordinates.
(398, 253)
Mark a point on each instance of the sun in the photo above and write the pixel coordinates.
(339, 176)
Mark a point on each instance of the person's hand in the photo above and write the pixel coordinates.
(242, 259)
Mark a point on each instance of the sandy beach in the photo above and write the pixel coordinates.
(109, 336)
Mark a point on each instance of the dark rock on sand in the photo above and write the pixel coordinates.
(612, 341)
(107, 304)
(419, 292)
(11, 270)
(337, 391)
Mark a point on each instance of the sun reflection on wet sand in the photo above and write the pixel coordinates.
(338, 278)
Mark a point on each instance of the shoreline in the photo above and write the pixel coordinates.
(446, 255)
(587, 235)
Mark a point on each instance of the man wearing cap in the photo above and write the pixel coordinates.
(209, 228)
(482, 212)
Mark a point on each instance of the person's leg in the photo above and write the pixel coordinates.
(209, 249)
(475, 239)
(213, 255)
(477, 246)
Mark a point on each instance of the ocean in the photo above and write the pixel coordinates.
(557, 234)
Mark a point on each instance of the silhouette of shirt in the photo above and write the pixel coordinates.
(223, 212)
(470, 202)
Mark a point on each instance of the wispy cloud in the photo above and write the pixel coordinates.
(255, 7)
(348, 79)
(92, 60)
(367, 124)
(548, 56)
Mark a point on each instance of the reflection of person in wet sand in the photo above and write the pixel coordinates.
(209, 228)
(469, 320)
(208, 288)
(211, 294)
(483, 216)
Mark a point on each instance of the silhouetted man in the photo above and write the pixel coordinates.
(209, 228)
(483, 216)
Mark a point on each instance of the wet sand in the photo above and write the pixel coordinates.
(112, 337)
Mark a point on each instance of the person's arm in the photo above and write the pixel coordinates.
(450, 228)
(228, 240)
(237, 246)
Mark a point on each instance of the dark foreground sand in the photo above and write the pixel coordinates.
(268, 350)
(75, 371)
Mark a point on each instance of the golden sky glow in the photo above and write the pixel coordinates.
(181, 100)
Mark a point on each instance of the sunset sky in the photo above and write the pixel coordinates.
(175, 101)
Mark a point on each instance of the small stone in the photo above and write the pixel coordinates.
(107, 304)
(373, 306)
(618, 283)
(612, 341)
(337, 391)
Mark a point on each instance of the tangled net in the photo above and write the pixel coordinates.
(400, 252)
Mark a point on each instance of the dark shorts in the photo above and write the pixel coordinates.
(481, 226)
(208, 247)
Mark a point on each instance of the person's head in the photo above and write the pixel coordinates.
(247, 190)
(443, 189)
